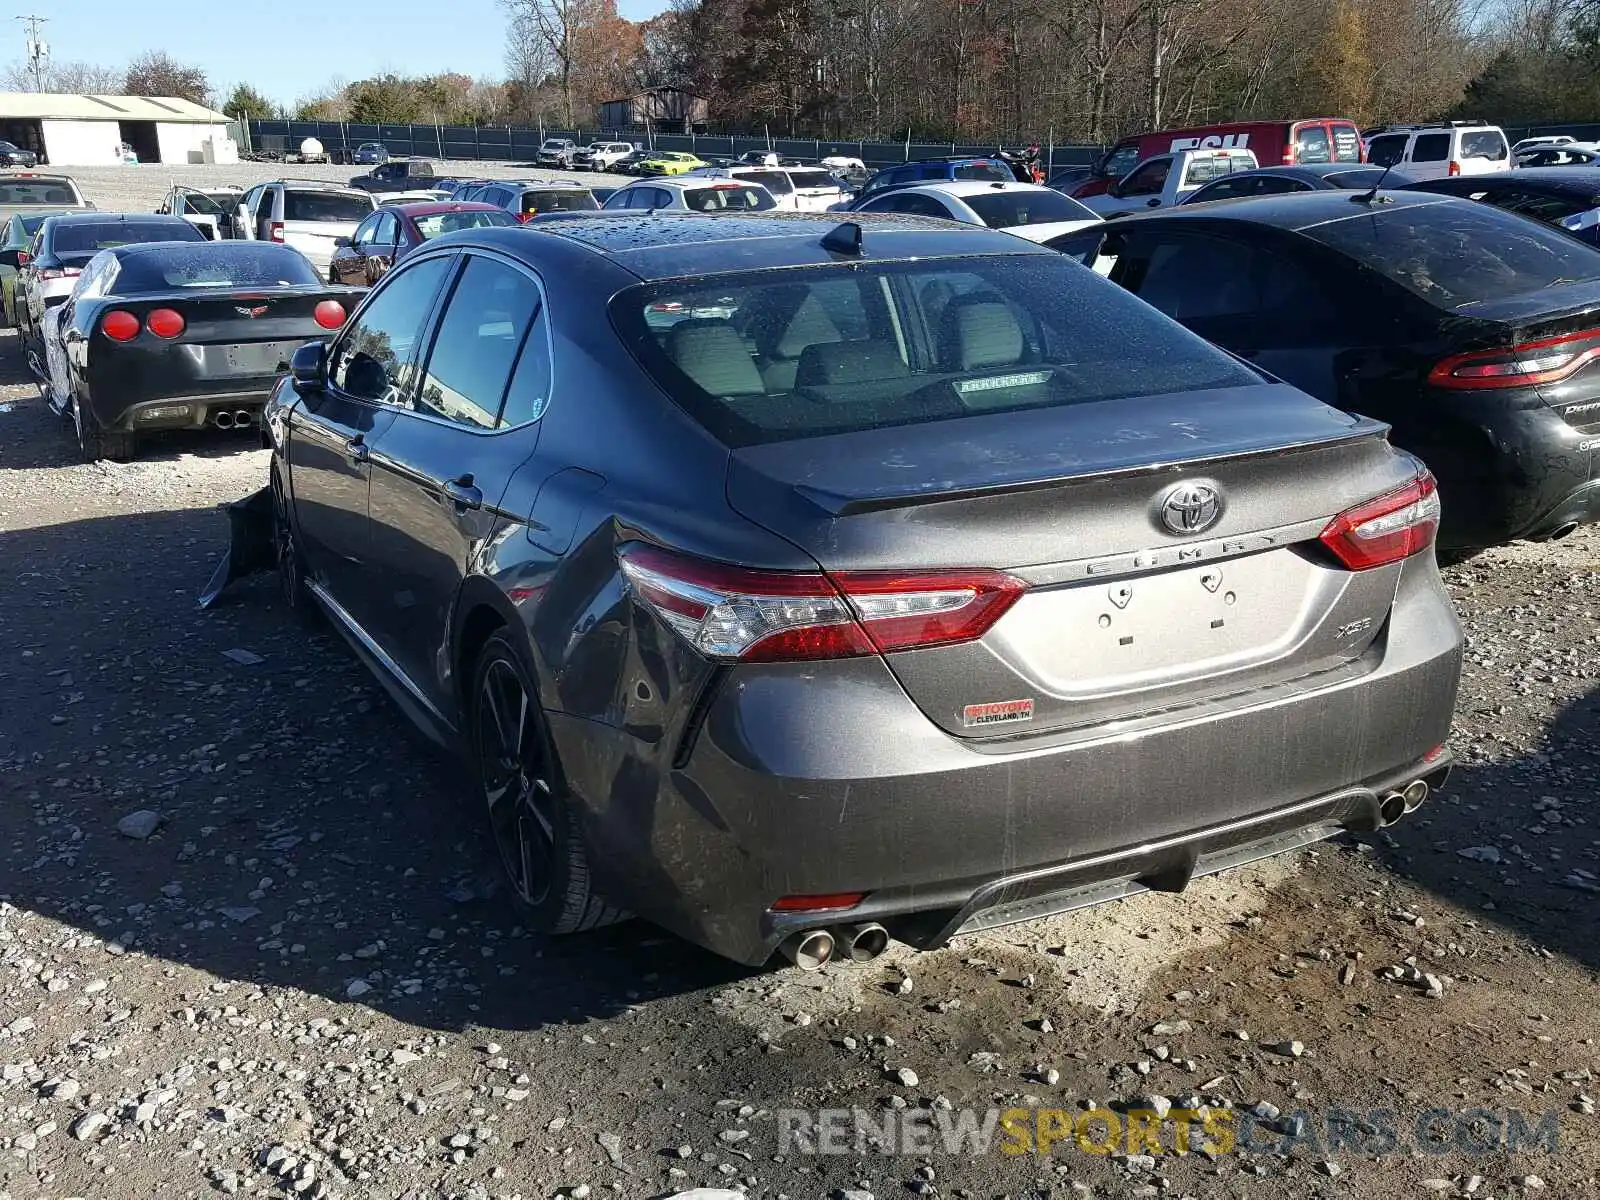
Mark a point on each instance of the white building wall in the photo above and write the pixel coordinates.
(181, 140)
(81, 143)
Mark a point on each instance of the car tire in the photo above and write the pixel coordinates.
(531, 817)
(95, 442)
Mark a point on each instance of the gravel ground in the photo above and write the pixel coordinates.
(141, 188)
(296, 974)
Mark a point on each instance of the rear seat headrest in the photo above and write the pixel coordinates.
(833, 363)
(712, 353)
(979, 334)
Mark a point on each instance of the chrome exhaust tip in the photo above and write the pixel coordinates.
(810, 950)
(243, 419)
(222, 420)
(1391, 808)
(1414, 794)
(862, 943)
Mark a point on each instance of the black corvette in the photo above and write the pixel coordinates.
(179, 335)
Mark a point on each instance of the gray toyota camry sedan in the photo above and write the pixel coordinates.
(798, 584)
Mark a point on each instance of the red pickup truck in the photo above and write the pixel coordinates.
(1313, 140)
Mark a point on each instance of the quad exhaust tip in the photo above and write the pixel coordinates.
(222, 420)
(243, 419)
(1395, 804)
(1414, 794)
(810, 950)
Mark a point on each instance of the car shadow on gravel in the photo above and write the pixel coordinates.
(308, 838)
(1513, 841)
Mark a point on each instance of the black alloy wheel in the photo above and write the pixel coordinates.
(534, 828)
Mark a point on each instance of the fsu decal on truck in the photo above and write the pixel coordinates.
(1212, 141)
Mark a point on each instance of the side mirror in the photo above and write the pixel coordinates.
(1114, 190)
(309, 366)
(8, 258)
(342, 243)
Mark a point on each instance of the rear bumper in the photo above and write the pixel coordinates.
(801, 782)
(201, 408)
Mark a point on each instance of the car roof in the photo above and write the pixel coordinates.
(1293, 211)
(688, 181)
(1564, 179)
(975, 187)
(106, 218)
(225, 246)
(672, 245)
(429, 208)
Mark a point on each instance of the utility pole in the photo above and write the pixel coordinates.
(38, 50)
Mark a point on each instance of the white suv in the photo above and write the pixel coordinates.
(690, 193)
(307, 215)
(1440, 149)
(798, 189)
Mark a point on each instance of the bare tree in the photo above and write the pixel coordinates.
(544, 32)
(84, 79)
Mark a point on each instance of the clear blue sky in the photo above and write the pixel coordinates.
(287, 48)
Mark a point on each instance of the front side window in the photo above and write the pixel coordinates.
(484, 325)
(771, 356)
(1387, 150)
(372, 361)
(1215, 285)
(1149, 179)
(366, 230)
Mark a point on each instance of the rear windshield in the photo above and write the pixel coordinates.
(1006, 210)
(434, 224)
(565, 200)
(1457, 253)
(1365, 177)
(982, 170)
(39, 191)
(214, 265)
(771, 356)
(813, 179)
(85, 237)
(725, 197)
(324, 206)
(775, 182)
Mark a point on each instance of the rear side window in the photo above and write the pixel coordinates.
(980, 170)
(1540, 207)
(1200, 279)
(1456, 253)
(802, 352)
(1346, 143)
(480, 336)
(1387, 150)
(1485, 143)
(1312, 145)
(1431, 147)
(725, 197)
(324, 206)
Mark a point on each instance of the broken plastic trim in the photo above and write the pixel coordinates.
(251, 546)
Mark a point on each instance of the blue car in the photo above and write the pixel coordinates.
(372, 152)
(938, 170)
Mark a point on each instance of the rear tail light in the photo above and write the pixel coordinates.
(1548, 361)
(329, 314)
(60, 272)
(1288, 155)
(275, 231)
(524, 218)
(1387, 529)
(1455, 167)
(120, 326)
(164, 323)
(735, 613)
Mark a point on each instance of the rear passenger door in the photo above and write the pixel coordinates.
(439, 473)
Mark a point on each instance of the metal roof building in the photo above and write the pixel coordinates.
(76, 130)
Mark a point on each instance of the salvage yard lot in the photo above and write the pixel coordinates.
(311, 958)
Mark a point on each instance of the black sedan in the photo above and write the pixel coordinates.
(395, 230)
(1566, 197)
(180, 335)
(1276, 181)
(12, 155)
(1473, 332)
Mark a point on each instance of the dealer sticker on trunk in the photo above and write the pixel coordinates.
(997, 712)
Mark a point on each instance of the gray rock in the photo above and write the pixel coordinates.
(61, 1089)
(904, 1076)
(1159, 1105)
(1484, 854)
(1288, 1049)
(612, 1145)
(733, 1137)
(90, 1126)
(140, 825)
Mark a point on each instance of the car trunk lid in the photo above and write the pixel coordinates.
(1122, 615)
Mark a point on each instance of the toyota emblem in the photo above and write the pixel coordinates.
(1189, 508)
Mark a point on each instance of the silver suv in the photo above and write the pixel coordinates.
(308, 215)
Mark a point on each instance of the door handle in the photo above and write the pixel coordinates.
(356, 449)
(463, 493)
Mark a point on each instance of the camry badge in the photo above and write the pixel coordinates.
(246, 311)
(1189, 508)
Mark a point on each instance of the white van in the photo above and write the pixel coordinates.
(1440, 149)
